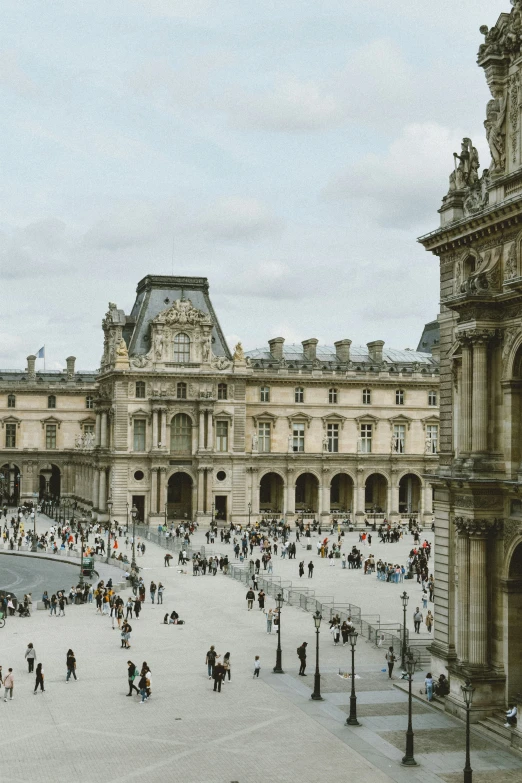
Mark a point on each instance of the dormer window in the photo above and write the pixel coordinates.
(182, 348)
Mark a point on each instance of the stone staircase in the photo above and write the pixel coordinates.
(495, 725)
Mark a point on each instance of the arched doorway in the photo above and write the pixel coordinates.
(10, 479)
(271, 493)
(50, 482)
(179, 496)
(376, 494)
(341, 493)
(306, 493)
(410, 494)
(514, 620)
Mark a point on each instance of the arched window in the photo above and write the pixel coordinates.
(332, 395)
(89, 401)
(182, 348)
(399, 397)
(222, 391)
(11, 401)
(51, 401)
(140, 389)
(181, 391)
(432, 397)
(367, 396)
(299, 394)
(181, 433)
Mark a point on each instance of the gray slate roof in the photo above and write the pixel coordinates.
(358, 355)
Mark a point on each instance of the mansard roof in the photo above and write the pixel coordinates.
(154, 294)
(359, 356)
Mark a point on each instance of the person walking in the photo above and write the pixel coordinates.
(219, 674)
(30, 656)
(71, 665)
(390, 660)
(335, 630)
(137, 608)
(250, 596)
(143, 685)
(310, 570)
(226, 665)
(261, 600)
(429, 686)
(39, 679)
(132, 673)
(301, 568)
(125, 635)
(429, 621)
(269, 620)
(257, 666)
(152, 591)
(61, 604)
(129, 607)
(301, 654)
(417, 619)
(54, 604)
(9, 685)
(210, 661)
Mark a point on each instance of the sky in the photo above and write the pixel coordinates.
(292, 152)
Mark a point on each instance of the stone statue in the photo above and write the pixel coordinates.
(239, 354)
(122, 349)
(510, 269)
(290, 444)
(428, 446)
(494, 124)
(205, 349)
(458, 276)
(325, 443)
(394, 444)
(158, 345)
(255, 442)
(78, 442)
(460, 177)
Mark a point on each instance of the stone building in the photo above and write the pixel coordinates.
(177, 425)
(478, 505)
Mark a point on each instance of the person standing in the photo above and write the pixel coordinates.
(143, 685)
(219, 674)
(9, 685)
(137, 608)
(261, 600)
(269, 619)
(30, 655)
(54, 604)
(152, 591)
(429, 621)
(250, 596)
(301, 654)
(61, 604)
(335, 630)
(160, 593)
(417, 619)
(39, 679)
(226, 665)
(429, 686)
(129, 607)
(390, 660)
(301, 568)
(310, 569)
(257, 666)
(71, 665)
(132, 673)
(210, 660)
(125, 635)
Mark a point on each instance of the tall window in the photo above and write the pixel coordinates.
(432, 437)
(432, 398)
(51, 401)
(10, 436)
(366, 438)
(299, 394)
(399, 438)
(367, 396)
(264, 437)
(50, 436)
(11, 401)
(89, 402)
(222, 391)
(298, 436)
(181, 391)
(332, 395)
(140, 390)
(222, 436)
(399, 397)
(182, 348)
(181, 433)
(139, 434)
(264, 394)
(333, 438)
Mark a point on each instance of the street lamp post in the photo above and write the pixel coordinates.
(351, 720)
(134, 514)
(212, 518)
(249, 512)
(127, 524)
(316, 695)
(278, 669)
(166, 514)
(81, 558)
(467, 694)
(109, 509)
(404, 598)
(408, 759)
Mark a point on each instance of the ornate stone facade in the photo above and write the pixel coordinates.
(180, 426)
(478, 515)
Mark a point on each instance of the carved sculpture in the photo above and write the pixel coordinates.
(122, 349)
(494, 125)
(510, 267)
(290, 444)
(255, 442)
(325, 443)
(239, 354)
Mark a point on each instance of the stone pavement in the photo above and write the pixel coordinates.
(255, 730)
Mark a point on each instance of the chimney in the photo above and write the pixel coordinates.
(70, 367)
(342, 349)
(275, 347)
(309, 349)
(31, 372)
(375, 351)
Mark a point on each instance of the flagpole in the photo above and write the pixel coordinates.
(44, 357)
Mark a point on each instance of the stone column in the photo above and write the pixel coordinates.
(463, 592)
(326, 494)
(478, 597)
(394, 500)
(465, 399)
(209, 491)
(201, 430)
(319, 498)
(201, 490)
(103, 431)
(428, 499)
(480, 395)
(102, 496)
(255, 491)
(155, 429)
(97, 430)
(164, 428)
(95, 488)
(162, 482)
(210, 431)
(290, 484)
(389, 509)
(154, 490)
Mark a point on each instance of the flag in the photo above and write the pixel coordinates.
(41, 353)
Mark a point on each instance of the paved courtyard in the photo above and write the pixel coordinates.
(255, 730)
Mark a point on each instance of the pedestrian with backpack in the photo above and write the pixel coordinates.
(132, 673)
(390, 660)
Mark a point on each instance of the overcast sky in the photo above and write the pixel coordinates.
(289, 150)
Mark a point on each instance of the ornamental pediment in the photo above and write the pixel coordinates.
(299, 416)
(11, 420)
(183, 313)
(51, 420)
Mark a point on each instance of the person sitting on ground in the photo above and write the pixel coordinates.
(174, 619)
(442, 686)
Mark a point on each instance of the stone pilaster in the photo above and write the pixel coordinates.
(480, 392)
(466, 391)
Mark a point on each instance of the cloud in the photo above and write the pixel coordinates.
(236, 219)
(13, 77)
(37, 249)
(130, 225)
